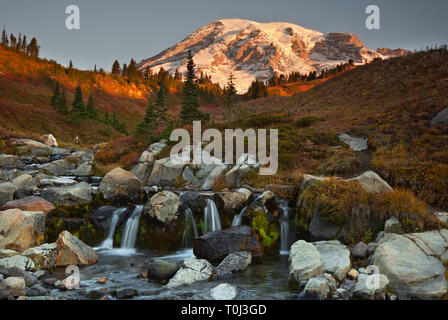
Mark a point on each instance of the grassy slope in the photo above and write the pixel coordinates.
(389, 102)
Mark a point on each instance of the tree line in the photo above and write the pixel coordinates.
(20, 44)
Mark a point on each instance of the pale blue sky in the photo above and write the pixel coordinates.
(112, 29)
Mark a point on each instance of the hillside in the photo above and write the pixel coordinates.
(390, 102)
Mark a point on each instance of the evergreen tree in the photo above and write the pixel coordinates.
(78, 102)
(13, 41)
(70, 65)
(56, 93)
(230, 95)
(5, 41)
(62, 103)
(124, 71)
(146, 129)
(190, 102)
(19, 42)
(116, 70)
(24, 44)
(106, 117)
(91, 111)
(34, 48)
(160, 103)
(132, 71)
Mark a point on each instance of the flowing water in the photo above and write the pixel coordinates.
(286, 230)
(190, 230)
(211, 217)
(131, 229)
(109, 241)
(237, 220)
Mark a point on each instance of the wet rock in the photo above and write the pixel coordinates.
(193, 270)
(442, 216)
(96, 294)
(126, 293)
(317, 288)
(441, 117)
(201, 174)
(40, 274)
(7, 190)
(49, 282)
(72, 251)
(102, 280)
(83, 170)
(356, 144)
(57, 182)
(35, 148)
(161, 270)
(30, 203)
(353, 274)
(215, 246)
(368, 289)
(304, 262)
(411, 272)
(341, 294)
(37, 291)
(121, 186)
(234, 263)
(245, 164)
(71, 196)
(21, 262)
(43, 256)
(348, 285)
(359, 250)
(6, 253)
(393, 226)
(10, 161)
(20, 230)
(372, 182)
(102, 216)
(163, 206)
(165, 173)
(12, 287)
(224, 291)
(335, 258)
(30, 278)
(322, 229)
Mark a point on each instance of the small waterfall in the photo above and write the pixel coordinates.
(131, 229)
(238, 218)
(190, 230)
(286, 232)
(108, 243)
(211, 217)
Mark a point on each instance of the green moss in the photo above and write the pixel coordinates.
(268, 232)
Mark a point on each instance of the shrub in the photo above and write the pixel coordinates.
(306, 122)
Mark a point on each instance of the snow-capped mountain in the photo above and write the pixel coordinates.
(252, 50)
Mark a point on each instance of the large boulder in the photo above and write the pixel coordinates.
(12, 287)
(20, 262)
(10, 161)
(121, 186)
(192, 270)
(7, 190)
(6, 253)
(25, 181)
(72, 251)
(224, 291)
(163, 206)
(367, 289)
(411, 265)
(234, 263)
(372, 182)
(317, 288)
(245, 164)
(20, 230)
(35, 148)
(76, 164)
(304, 262)
(43, 256)
(235, 200)
(49, 140)
(356, 144)
(215, 246)
(77, 195)
(161, 270)
(335, 257)
(320, 228)
(60, 167)
(30, 203)
(165, 173)
(201, 174)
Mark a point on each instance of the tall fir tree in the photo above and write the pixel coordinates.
(61, 103)
(190, 102)
(24, 44)
(230, 95)
(78, 102)
(34, 48)
(161, 103)
(116, 70)
(56, 93)
(91, 111)
(132, 71)
(146, 129)
(5, 41)
(124, 70)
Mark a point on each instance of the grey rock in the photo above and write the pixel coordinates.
(356, 144)
(372, 182)
(317, 288)
(7, 190)
(233, 263)
(393, 226)
(43, 256)
(224, 291)
(322, 229)
(440, 118)
(161, 269)
(37, 291)
(126, 293)
(335, 258)
(163, 206)
(10, 161)
(165, 172)
(367, 289)
(304, 262)
(193, 270)
(21, 262)
(30, 278)
(71, 196)
(12, 287)
(359, 250)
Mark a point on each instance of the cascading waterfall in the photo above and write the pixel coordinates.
(190, 230)
(108, 243)
(286, 232)
(131, 229)
(211, 217)
(238, 218)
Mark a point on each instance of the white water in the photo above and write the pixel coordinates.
(286, 232)
(190, 230)
(211, 217)
(108, 243)
(131, 229)
(238, 218)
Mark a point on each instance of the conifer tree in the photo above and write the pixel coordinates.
(5, 41)
(116, 70)
(230, 95)
(78, 102)
(91, 111)
(34, 48)
(106, 117)
(132, 71)
(124, 71)
(56, 93)
(24, 44)
(13, 41)
(190, 102)
(62, 103)
(146, 129)
(161, 104)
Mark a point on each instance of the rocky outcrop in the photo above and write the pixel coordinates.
(10, 161)
(163, 206)
(192, 270)
(335, 258)
(35, 148)
(412, 263)
(72, 251)
(203, 175)
(30, 203)
(20, 262)
(304, 263)
(235, 200)
(372, 182)
(245, 164)
(121, 186)
(76, 164)
(165, 173)
(356, 144)
(7, 190)
(71, 196)
(49, 140)
(235, 262)
(143, 169)
(43, 256)
(20, 230)
(215, 246)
